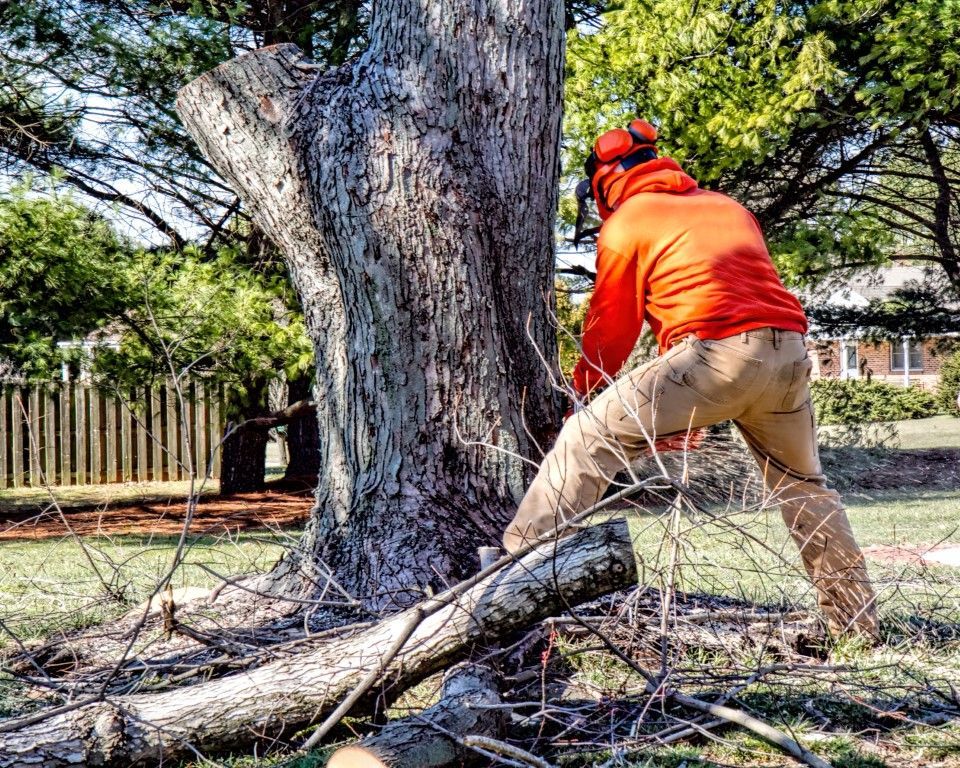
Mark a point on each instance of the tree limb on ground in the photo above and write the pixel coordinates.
(279, 698)
(468, 705)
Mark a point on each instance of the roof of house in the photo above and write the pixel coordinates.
(859, 291)
(876, 284)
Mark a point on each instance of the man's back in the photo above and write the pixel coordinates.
(702, 265)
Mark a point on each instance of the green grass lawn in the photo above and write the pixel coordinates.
(935, 432)
(56, 584)
(745, 555)
(749, 555)
(913, 517)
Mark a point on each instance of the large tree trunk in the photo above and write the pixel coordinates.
(279, 697)
(413, 195)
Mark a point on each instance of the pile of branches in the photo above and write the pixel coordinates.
(237, 687)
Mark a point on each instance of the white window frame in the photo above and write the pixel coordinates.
(913, 345)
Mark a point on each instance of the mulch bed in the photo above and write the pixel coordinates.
(277, 507)
(919, 555)
(932, 469)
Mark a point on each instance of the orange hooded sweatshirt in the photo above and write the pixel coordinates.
(686, 260)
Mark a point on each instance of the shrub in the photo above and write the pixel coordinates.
(949, 384)
(852, 401)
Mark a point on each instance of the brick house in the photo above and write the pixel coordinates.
(904, 361)
(855, 358)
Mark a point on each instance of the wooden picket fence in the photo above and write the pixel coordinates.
(62, 433)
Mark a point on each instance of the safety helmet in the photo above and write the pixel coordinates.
(613, 152)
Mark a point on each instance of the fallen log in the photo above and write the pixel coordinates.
(434, 738)
(277, 699)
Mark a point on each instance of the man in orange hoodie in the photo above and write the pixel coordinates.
(694, 265)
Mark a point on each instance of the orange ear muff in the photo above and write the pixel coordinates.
(642, 132)
(619, 150)
(613, 145)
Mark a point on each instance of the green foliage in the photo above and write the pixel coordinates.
(852, 401)
(87, 91)
(570, 317)
(912, 61)
(949, 386)
(725, 81)
(63, 273)
(214, 317)
(815, 114)
(806, 248)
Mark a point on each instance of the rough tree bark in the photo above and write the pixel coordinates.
(412, 193)
(282, 696)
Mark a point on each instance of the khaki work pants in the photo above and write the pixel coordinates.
(760, 380)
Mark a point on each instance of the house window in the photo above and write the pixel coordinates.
(915, 352)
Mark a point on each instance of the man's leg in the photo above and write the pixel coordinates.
(785, 446)
(603, 439)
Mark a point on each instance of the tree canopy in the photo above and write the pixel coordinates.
(87, 89)
(64, 272)
(835, 122)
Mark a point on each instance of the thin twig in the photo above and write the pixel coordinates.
(759, 727)
(485, 744)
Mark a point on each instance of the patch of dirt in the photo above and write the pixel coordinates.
(915, 554)
(280, 506)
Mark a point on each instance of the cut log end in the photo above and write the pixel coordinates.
(355, 757)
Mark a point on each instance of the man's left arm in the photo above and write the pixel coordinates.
(612, 323)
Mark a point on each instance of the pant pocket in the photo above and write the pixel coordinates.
(717, 372)
(797, 390)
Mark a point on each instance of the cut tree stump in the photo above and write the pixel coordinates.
(277, 699)
(431, 739)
